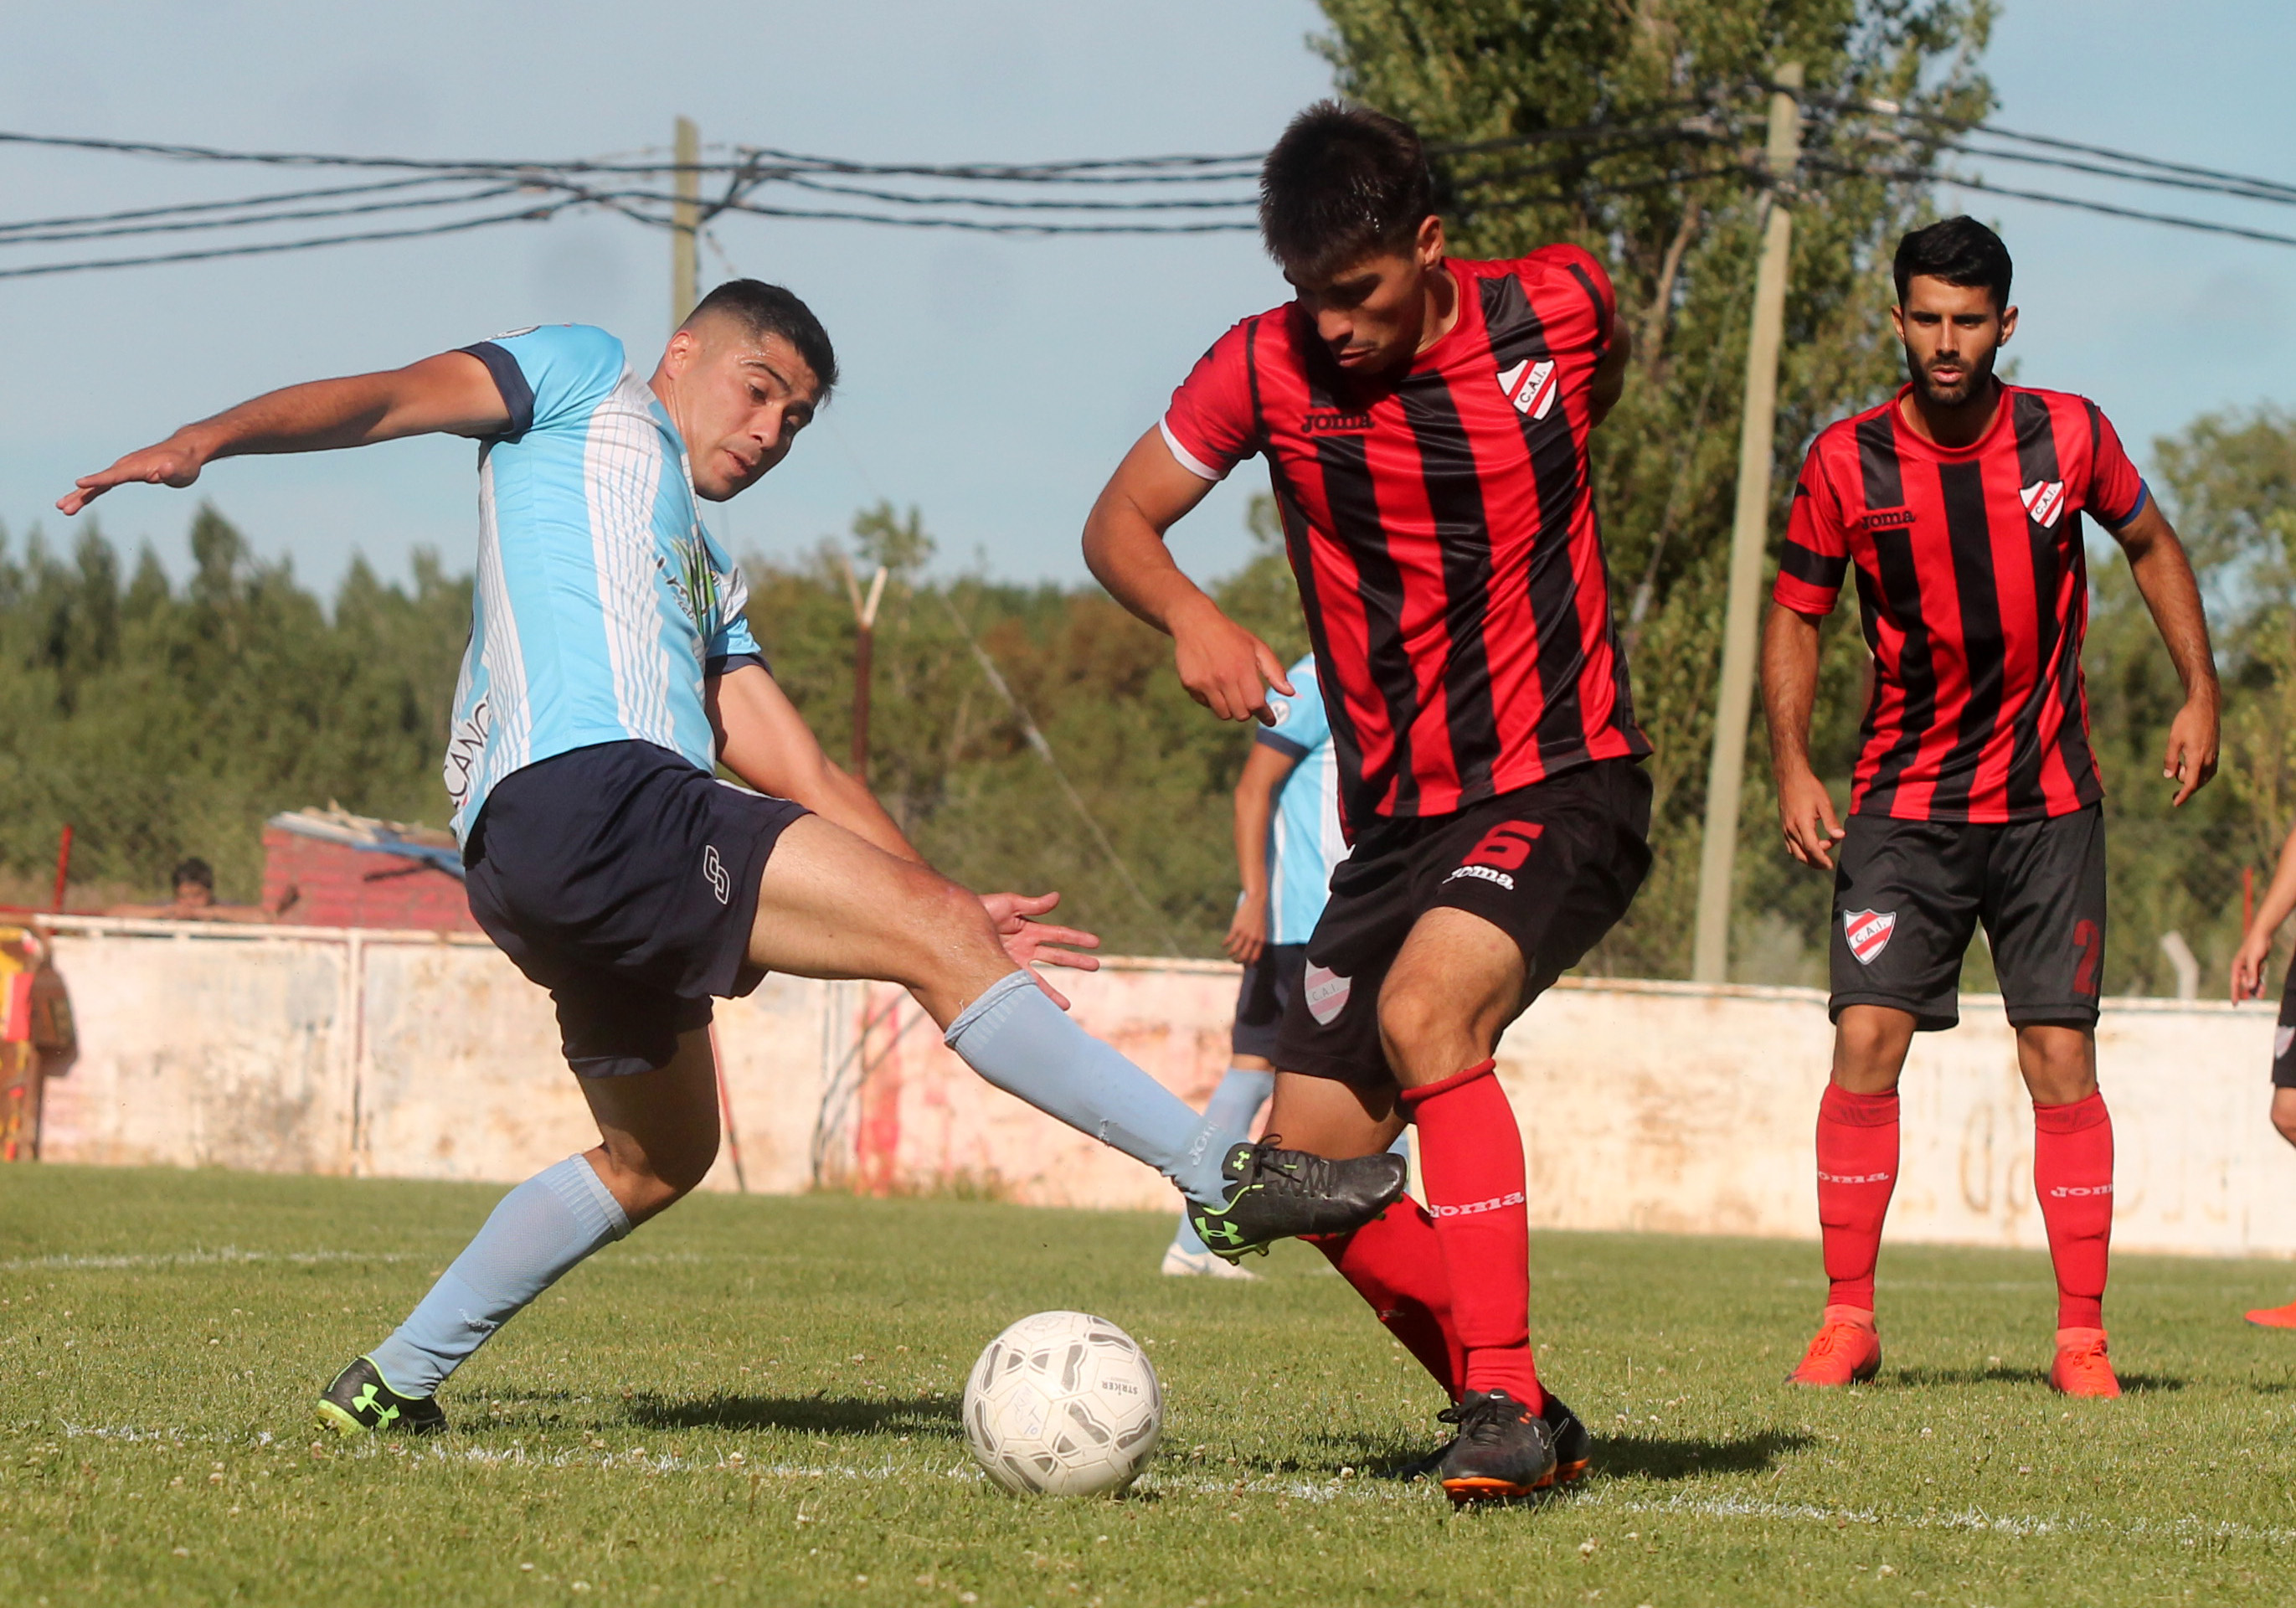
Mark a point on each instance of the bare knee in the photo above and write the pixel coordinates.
(1869, 1048)
(647, 1183)
(2284, 1113)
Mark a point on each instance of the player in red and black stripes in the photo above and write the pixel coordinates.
(1425, 422)
(1975, 799)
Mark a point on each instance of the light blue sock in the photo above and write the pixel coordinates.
(537, 1232)
(1019, 1041)
(1231, 1107)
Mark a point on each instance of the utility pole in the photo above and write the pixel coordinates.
(1726, 777)
(686, 223)
(865, 654)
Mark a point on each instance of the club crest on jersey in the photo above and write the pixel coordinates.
(1327, 993)
(2044, 500)
(1530, 387)
(1868, 931)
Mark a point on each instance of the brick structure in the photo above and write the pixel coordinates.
(353, 871)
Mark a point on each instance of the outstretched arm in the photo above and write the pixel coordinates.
(762, 739)
(1224, 668)
(449, 394)
(1789, 694)
(2164, 575)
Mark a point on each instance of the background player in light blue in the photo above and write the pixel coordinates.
(1287, 840)
(609, 672)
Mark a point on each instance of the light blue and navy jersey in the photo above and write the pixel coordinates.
(1304, 840)
(601, 601)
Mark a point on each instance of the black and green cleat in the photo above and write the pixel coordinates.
(1280, 1193)
(361, 1402)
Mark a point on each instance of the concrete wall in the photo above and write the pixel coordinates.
(1645, 1105)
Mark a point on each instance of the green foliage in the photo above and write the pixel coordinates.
(754, 1401)
(162, 723)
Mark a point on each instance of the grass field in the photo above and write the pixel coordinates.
(754, 1400)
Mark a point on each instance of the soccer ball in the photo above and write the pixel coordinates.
(1063, 1404)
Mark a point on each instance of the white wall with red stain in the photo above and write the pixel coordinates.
(1657, 1106)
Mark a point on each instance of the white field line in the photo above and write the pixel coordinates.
(222, 1256)
(1601, 1496)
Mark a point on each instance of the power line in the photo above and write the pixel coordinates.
(528, 214)
(1929, 177)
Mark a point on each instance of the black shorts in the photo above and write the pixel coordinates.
(1908, 896)
(1269, 983)
(1554, 865)
(2284, 1035)
(624, 882)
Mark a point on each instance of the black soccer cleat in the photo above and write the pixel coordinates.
(361, 1402)
(1504, 1449)
(1574, 1448)
(1280, 1193)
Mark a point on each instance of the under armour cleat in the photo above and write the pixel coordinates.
(1848, 1351)
(361, 1402)
(2274, 1317)
(1281, 1193)
(2081, 1368)
(1202, 1264)
(1504, 1449)
(1574, 1448)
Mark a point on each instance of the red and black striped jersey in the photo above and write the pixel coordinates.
(1441, 526)
(1974, 591)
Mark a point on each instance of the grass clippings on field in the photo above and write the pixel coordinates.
(754, 1400)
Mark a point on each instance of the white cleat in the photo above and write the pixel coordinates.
(1202, 1264)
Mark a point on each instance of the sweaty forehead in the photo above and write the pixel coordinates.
(770, 357)
(1932, 294)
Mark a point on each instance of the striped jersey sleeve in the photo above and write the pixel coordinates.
(1212, 423)
(1815, 558)
(2116, 491)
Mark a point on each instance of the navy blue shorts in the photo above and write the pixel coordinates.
(624, 882)
(1268, 984)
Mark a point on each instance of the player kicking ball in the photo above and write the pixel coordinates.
(1975, 799)
(1425, 422)
(2247, 965)
(610, 671)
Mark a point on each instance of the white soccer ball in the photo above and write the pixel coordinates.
(1063, 1404)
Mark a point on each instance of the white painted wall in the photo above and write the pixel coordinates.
(1645, 1105)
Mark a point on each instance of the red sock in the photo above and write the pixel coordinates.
(2072, 1173)
(1470, 1156)
(1395, 1263)
(1856, 1170)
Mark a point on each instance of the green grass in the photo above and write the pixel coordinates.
(754, 1400)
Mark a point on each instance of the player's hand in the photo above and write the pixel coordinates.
(173, 462)
(2248, 962)
(1247, 934)
(1032, 943)
(1225, 667)
(2191, 757)
(1806, 818)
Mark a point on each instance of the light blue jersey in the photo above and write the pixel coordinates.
(1304, 840)
(599, 599)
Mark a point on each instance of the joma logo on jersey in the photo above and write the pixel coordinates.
(1868, 932)
(1530, 387)
(1884, 519)
(1335, 422)
(2044, 500)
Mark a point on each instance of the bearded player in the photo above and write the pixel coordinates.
(1425, 422)
(1975, 799)
(610, 670)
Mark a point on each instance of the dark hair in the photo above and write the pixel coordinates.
(1959, 250)
(195, 871)
(768, 309)
(1343, 182)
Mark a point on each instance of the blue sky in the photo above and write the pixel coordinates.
(992, 383)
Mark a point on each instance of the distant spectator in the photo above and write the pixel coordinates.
(196, 900)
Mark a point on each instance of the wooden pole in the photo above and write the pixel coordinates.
(865, 654)
(63, 867)
(1748, 537)
(686, 223)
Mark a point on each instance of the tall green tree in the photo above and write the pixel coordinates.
(1665, 199)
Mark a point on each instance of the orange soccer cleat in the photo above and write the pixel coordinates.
(1848, 1351)
(2081, 1368)
(2274, 1317)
